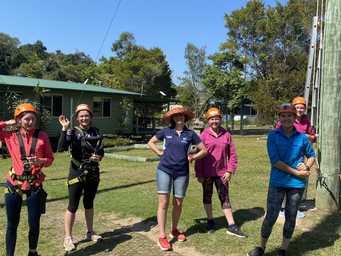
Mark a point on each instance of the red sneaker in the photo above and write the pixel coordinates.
(164, 244)
(178, 235)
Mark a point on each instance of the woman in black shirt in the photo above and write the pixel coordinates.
(85, 143)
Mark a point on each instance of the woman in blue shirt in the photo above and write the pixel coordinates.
(286, 149)
(173, 169)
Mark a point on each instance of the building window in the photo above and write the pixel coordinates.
(102, 107)
(53, 104)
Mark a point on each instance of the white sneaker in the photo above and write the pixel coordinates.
(92, 236)
(281, 213)
(300, 215)
(69, 244)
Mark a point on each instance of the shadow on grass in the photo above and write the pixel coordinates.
(109, 242)
(106, 189)
(49, 200)
(142, 226)
(62, 178)
(323, 235)
(241, 216)
(307, 205)
(113, 238)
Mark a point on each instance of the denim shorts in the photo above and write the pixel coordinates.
(165, 183)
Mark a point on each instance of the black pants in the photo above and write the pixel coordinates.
(222, 190)
(13, 202)
(274, 203)
(88, 188)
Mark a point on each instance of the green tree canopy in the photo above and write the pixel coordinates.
(191, 91)
(132, 67)
(8, 53)
(225, 80)
(274, 41)
(136, 68)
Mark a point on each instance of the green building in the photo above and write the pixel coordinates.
(113, 109)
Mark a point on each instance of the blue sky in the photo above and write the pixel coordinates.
(80, 25)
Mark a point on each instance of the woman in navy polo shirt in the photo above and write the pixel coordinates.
(286, 149)
(173, 169)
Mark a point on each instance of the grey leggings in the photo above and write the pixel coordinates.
(275, 199)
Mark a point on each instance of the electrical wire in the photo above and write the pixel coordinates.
(108, 29)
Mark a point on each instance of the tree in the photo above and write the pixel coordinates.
(132, 67)
(185, 93)
(225, 80)
(274, 41)
(33, 52)
(192, 91)
(68, 67)
(8, 53)
(124, 44)
(195, 59)
(136, 68)
(38, 63)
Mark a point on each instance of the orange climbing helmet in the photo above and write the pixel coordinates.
(298, 100)
(24, 107)
(286, 108)
(211, 112)
(82, 107)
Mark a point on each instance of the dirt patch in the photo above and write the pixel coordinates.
(149, 229)
(137, 230)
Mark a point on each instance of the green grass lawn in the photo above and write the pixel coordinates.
(129, 189)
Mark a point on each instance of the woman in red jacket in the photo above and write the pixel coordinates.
(30, 151)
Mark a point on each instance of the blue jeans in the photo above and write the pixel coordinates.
(165, 183)
(13, 202)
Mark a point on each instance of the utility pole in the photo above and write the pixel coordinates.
(328, 190)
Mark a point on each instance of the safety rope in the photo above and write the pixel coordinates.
(322, 182)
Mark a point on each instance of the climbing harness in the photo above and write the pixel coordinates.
(86, 165)
(27, 178)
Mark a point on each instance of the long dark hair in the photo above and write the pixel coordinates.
(173, 124)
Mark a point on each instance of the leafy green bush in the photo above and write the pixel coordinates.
(116, 141)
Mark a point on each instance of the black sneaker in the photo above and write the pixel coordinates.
(210, 226)
(281, 252)
(258, 251)
(33, 254)
(235, 231)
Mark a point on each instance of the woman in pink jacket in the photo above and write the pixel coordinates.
(217, 168)
(302, 122)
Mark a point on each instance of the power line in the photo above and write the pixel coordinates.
(108, 29)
